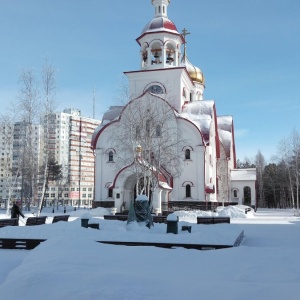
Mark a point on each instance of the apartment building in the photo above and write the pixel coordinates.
(69, 138)
(21, 145)
(67, 135)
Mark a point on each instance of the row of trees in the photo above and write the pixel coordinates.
(278, 180)
(21, 146)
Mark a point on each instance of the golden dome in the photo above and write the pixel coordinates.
(194, 72)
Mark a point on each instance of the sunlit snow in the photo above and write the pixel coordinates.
(72, 265)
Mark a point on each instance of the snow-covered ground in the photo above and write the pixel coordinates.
(71, 265)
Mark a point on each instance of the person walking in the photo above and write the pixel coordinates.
(16, 212)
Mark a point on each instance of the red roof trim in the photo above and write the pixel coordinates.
(155, 32)
(209, 190)
(95, 139)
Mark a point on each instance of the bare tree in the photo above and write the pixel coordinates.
(295, 143)
(29, 108)
(148, 140)
(223, 176)
(260, 165)
(122, 92)
(49, 104)
(289, 156)
(285, 155)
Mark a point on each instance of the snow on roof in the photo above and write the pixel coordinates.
(112, 113)
(225, 132)
(201, 114)
(226, 140)
(243, 174)
(95, 134)
(164, 185)
(225, 122)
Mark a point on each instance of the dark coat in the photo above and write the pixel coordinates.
(15, 212)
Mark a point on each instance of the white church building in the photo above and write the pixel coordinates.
(167, 141)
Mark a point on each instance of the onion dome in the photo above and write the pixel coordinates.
(194, 72)
(160, 24)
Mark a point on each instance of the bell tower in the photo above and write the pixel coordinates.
(163, 69)
(160, 41)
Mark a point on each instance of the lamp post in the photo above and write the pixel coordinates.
(79, 182)
(80, 158)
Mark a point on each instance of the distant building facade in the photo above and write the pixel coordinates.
(69, 140)
(66, 136)
(21, 144)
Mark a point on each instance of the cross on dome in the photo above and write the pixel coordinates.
(184, 34)
(195, 73)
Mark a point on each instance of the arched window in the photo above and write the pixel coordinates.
(137, 132)
(110, 156)
(247, 195)
(187, 154)
(148, 123)
(235, 193)
(188, 191)
(110, 193)
(158, 130)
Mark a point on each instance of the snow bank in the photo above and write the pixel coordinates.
(230, 211)
(227, 211)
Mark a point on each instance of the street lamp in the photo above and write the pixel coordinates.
(79, 182)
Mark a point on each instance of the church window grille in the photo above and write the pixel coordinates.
(156, 89)
(110, 156)
(187, 191)
(148, 123)
(187, 154)
(158, 130)
(137, 132)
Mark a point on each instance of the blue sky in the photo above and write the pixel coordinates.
(249, 52)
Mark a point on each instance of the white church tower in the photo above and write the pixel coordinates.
(167, 141)
(163, 68)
